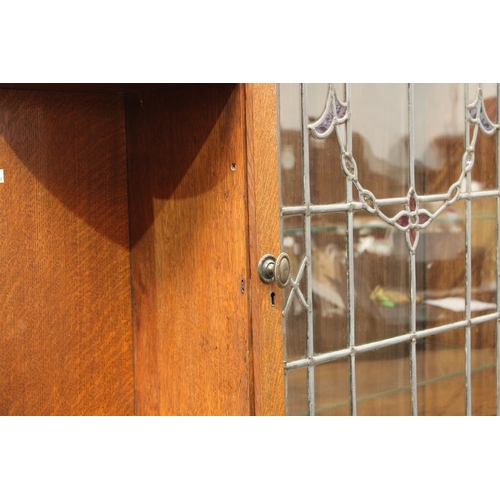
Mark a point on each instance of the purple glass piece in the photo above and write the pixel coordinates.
(323, 127)
(341, 110)
(484, 120)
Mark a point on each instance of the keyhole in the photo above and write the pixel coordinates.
(273, 299)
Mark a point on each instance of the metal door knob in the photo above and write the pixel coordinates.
(275, 269)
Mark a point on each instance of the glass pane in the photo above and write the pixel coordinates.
(382, 380)
(484, 373)
(381, 279)
(439, 135)
(329, 282)
(290, 144)
(484, 250)
(380, 137)
(442, 284)
(296, 387)
(441, 374)
(332, 388)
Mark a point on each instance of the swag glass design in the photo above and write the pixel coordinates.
(412, 219)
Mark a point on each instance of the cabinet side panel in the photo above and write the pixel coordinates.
(65, 333)
(262, 146)
(188, 212)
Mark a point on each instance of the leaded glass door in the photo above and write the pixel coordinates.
(389, 213)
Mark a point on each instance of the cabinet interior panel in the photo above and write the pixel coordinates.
(188, 216)
(65, 334)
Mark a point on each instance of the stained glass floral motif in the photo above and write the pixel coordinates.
(412, 219)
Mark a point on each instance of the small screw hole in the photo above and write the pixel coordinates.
(233, 166)
(273, 299)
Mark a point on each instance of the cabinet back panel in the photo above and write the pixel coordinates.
(65, 333)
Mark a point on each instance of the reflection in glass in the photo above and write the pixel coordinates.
(296, 388)
(290, 157)
(484, 373)
(379, 115)
(332, 388)
(439, 135)
(329, 283)
(380, 279)
(382, 378)
(484, 250)
(441, 374)
(443, 269)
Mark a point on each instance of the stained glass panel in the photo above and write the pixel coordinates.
(398, 209)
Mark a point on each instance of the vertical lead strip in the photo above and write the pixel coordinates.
(283, 316)
(498, 252)
(468, 268)
(306, 196)
(350, 266)
(287, 412)
(413, 284)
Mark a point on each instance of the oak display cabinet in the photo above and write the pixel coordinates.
(133, 217)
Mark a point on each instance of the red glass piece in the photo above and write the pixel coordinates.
(413, 203)
(403, 221)
(413, 235)
(423, 218)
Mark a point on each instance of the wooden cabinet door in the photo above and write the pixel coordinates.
(264, 238)
(204, 206)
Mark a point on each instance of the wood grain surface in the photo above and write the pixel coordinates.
(65, 333)
(262, 147)
(188, 222)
